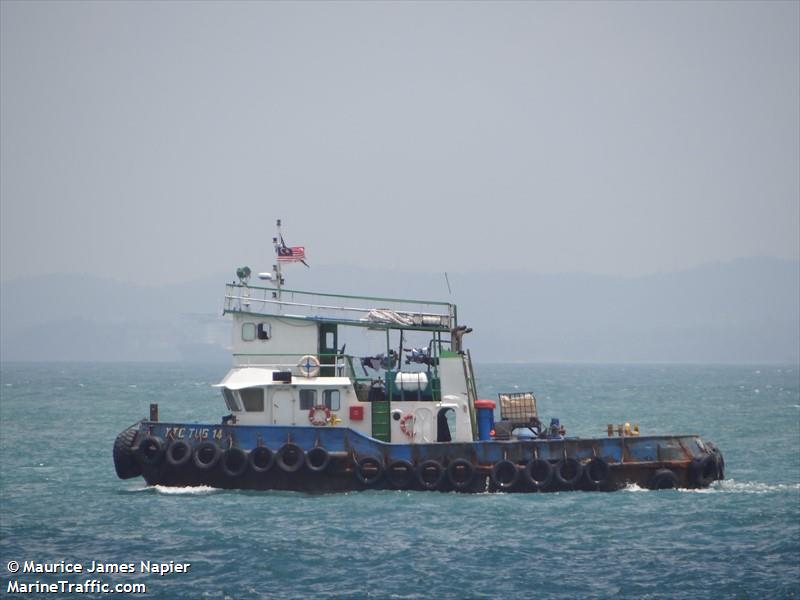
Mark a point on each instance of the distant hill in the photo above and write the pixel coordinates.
(743, 311)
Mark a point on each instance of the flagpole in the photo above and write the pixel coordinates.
(277, 266)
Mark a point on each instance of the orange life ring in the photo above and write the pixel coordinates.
(404, 427)
(312, 415)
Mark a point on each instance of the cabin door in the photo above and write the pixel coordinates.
(282, 405)
(423, 426)
(328, 347)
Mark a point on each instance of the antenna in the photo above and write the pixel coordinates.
(447, 280)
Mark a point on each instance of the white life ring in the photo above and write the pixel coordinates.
(309, 366)
(314, 412)
(404, 424)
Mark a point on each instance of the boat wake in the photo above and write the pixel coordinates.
(729, 486)
(176, 491)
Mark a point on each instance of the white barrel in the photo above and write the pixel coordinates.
(411, 382)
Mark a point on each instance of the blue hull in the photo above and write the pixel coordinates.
(334, 459)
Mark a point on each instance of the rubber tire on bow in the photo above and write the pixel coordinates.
(664, 479)
(467, 470)
(239, 465)
(150, 451)
(720, 460)
(256, 459)
(287, 450)
(373, 464)
(702, 471)
(569, 463)
(400, 474)
(318, 465)
(720, 466)
(183, 458)
(538, 473)
(124, 461)
(201, 452)
(499, 480)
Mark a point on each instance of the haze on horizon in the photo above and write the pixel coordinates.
(157, 142)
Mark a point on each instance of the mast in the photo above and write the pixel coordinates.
(276, 268)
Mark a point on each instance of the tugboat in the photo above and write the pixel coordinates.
(304, 415)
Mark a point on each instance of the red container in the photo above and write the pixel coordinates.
(356, 413)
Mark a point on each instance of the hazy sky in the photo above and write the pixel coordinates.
(159, 141)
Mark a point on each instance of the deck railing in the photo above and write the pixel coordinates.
(331, 364)
(356, 310)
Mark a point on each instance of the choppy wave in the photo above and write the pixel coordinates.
(729, 486)
(737, 539)
(633, 487)
(744, 487)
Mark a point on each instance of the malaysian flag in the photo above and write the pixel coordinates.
(292, 254)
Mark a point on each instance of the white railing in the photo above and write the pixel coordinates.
(362, 310)
(341, 367)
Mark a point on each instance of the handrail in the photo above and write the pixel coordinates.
(375, 312)
(328, 295)
(343, 364)
(324, 306)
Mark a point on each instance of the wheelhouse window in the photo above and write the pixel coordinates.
(308, 399)
(253, 399)
(331, 398)
(248, 332)
(230, 400)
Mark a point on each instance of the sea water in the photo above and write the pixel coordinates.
(60, 500)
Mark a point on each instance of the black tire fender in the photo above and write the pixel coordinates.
(317, 459)
(664, 479)
(597, 472)
(703, 470)
(206, 455)
(369, 470)
(124, 460)
(460, 473)
(720, 460)
(430, 474)
(150, 450)
(234, 462)
(538, 473)
(179, 453)
(261, 459)
(290, 458)
(400, 474)
(568, 471)
(505, 474)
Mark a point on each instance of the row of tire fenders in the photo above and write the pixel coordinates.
(537, 474)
